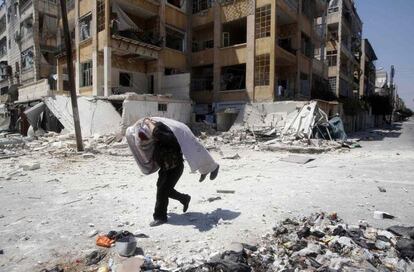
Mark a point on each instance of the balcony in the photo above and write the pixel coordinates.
(285, 56)
(233, 55)
(203, 57)
(125, 45)
(202, 84)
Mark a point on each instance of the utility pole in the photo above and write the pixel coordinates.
(392, 89)
(69, 60)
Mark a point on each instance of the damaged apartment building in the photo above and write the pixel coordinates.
(218, 53)
(122, 47)
(343, 50)
(256, 51)
(28, 44)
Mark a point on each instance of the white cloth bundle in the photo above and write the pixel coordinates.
(198, 158)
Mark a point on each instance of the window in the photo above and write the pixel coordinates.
(86, 74)
(101, 15)
(162, 107)
(306, 46)
(174, 39)
(332, 84)
(3, 46)
(70, 4)
(176, 3)
(331, 56)
(27, 59)
(304, 84)
(200, 5)
(263, 21)
(85, 27)
(125, 80)
(262, 68)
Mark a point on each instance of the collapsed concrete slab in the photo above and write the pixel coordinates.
(96, 116)
(265, 116)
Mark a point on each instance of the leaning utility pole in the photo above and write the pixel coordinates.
(392, 89)
(69, 60)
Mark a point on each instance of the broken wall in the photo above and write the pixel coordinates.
(34, 91)
(96, 116)
(133, 110)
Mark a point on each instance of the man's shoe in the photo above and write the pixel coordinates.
(186, 203)
(202, 177)
(158, 222)
(214, 174)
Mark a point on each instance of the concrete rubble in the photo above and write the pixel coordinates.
(299, 127)
(320, 242)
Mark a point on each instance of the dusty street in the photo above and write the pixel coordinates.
(46, 214)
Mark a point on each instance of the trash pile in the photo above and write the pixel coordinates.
(321, 243)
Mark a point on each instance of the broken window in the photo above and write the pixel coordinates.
(3, 47)
(262, 68)
(202, 78)
(176, 3)
(304, 84)
(174, 39)
(333, 6)
(234, 32)
(306, 46)
(85, 27)
(200, 5)
(27, 59)
(233, 77)
(86, 74)
(263, 21)
(2, 24)
(162, 107)
(332, 84)
(331, 56)
(125, 79)
(70, 4)
(100, 5)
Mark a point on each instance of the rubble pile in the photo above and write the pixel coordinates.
(321, 243)
(15, 145)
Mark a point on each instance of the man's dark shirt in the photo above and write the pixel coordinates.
(167, 151)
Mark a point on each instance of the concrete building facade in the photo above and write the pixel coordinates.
(255, 51)
(343, 50)
(124, 46)
(219, 53)
(368, 70)
(28, 46)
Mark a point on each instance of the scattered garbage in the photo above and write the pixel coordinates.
(226, 191)
(95, 257)
(234, 157)
(126, 246)
(382, 189)
(319, 242)
(383, 215)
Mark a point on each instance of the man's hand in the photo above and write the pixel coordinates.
(150, 124)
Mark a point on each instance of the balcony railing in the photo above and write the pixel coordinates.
(147, 37)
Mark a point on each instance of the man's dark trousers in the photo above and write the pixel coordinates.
(167, 179)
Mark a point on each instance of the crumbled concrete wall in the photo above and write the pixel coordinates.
(35, 91)
(133, 110)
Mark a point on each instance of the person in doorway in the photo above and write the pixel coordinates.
(160, 145)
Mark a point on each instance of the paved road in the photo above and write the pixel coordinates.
(45, 214)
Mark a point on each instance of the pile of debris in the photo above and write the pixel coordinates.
(321, 243)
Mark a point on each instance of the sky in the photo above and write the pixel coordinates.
(389, 26)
